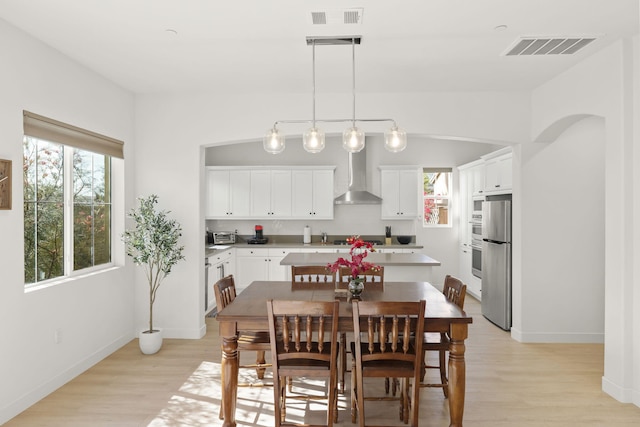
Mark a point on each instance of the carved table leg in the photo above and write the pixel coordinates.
(229, 371)
(457, 373)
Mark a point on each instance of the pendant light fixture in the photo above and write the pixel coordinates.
(313, 138)
(353, 138)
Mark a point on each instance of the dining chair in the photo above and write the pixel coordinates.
(384, 348)
(303, 344)
(455, 291)
(312, 277)
(373, 278)
(258, 341)
(374, 281)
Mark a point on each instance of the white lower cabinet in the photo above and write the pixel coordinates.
(260, 264)
(220, 265)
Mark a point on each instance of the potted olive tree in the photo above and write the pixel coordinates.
(153, 244)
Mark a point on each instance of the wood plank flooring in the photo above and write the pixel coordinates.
(508, 384)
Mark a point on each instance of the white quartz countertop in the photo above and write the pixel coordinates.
(403, 259)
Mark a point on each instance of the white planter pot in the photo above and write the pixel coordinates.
(150, 342)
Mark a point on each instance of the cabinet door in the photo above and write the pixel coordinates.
(408, 192)
(400, 193)
(240, 193)
(249, 269)
(478, 179)
(217, 194)
(323, 194)
(302, 193)
(506, 172)
(260, 193)
(280, 194)
(390, 180)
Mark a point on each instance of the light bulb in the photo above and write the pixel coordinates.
(313, 140)
(353, 140)
(274, 141)
(395, 140)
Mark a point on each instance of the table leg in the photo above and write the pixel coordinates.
(457, 373)
(229, 371)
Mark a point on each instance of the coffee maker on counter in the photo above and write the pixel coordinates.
(259, 238)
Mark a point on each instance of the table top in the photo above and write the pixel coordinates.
(250, 305)
(391, 260)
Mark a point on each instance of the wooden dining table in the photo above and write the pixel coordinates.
(248, 312)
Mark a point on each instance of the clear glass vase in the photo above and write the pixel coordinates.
(356, 286)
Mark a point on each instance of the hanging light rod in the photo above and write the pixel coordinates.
(352, 138)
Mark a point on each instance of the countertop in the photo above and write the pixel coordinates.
(415, 260)
(214, 249)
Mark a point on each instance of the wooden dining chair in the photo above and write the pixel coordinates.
(455, 291)
(373, 278)
(258, 341)
(312, 277)
(303, 344)
(384, 348)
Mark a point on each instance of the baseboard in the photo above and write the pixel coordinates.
(24, 402)
(557, 338)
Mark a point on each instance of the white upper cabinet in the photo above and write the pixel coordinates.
(312, 194)
(476, 179)
(498, 172)
(270, 194)
(244, 192)
(400, 190)
(228, 193)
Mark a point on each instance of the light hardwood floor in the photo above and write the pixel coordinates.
(508, 384)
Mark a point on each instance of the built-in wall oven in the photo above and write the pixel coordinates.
(476, 258)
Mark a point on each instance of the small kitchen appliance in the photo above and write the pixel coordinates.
(259, 238)
(223, 237)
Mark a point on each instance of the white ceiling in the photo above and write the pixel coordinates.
(259, 45)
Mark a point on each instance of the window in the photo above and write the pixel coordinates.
(67, 199)
(436, 197)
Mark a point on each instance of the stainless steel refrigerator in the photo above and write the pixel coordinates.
(496, 262)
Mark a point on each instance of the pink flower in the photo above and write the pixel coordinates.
(358, 252)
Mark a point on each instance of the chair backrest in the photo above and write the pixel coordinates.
(303, 331)
(454, 290)
(386, 330)
(373, 278)
(225, 290)
(312, 277)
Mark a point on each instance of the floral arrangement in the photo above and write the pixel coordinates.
(358, 252)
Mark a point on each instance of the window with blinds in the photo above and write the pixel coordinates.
(67, 198)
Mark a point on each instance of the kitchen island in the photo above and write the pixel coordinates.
(397, 267)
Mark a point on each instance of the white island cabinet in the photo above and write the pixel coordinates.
(400, 188)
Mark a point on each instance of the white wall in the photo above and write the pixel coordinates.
(439, 243)
(605, 85)
(562, 197)
(94, 314)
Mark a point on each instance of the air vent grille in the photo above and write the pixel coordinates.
(527, 46)
(337, 17)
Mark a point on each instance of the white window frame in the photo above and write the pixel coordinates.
(449, 197)
(71, 138)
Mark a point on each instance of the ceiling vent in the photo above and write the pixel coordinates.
(337, 17)
(527, 46)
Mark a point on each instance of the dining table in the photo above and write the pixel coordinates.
(248, 312)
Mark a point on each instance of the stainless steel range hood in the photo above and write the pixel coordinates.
(357, 193)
